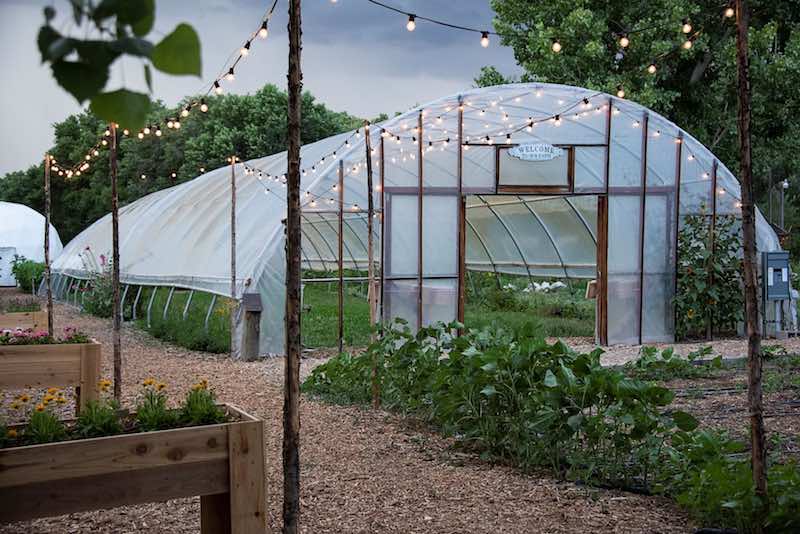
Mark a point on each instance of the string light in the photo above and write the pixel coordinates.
(230, 76)
(485, 39)
(624, 41)
(556, 46)
(147, 130)
(264, 31)
(687, 44)
(203, 106)
(185, 112)
(652, 68)
(686, 26)
(245, 50)
(411, 24)
(217, 88)
(620, 91)
(729, 12)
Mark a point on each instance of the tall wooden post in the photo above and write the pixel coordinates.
(112, 154)
(382, 171)
(233, 249)
(340, 256)
(372, 293)
(420, 153)
(47, 278)
(291, 399)
(754, 393)
(233, 227)
(462, 217)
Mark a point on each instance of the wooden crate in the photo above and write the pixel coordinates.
(25, 320)
(223, 464)
(58, 365)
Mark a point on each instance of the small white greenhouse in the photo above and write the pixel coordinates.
(530, 179)
(22, 234)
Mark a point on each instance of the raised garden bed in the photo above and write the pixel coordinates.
(52, 365)
(222, 463)
(28, 320)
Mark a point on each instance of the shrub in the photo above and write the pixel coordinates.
(151, 410)
(98, 296)
(28, 273)
(98, 418)
(666, 365)
(200, 406)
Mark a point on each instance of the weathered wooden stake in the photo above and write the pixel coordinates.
(291, 399)
(340, 240)
(754, 393)
(372, 291)
(47, 276)
(233, 248)
(112, 154)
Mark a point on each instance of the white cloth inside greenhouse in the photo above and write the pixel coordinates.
(531, 216)
(22, 234)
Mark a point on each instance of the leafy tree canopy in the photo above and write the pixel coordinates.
(249, 126)
(695, 88)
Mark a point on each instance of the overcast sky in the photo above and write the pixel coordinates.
(357, 57)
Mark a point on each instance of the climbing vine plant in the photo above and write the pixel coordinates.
(709, 278)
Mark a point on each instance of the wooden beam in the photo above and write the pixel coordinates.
(116, 311)
(382, 170)
(420, 155)
(678, 167)
(340, 258)
(47, 272)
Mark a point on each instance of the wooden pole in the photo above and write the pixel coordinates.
(712, 237)
(754, 393)
(420, 152)
(382, 170)
(462, 216)
(233, 248)
(642, 227)
(47, 278)
(117, 316)
(372, 291)
(291, 399)
(340, 256)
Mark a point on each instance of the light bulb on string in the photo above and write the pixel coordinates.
(147, 130)
(126, 132)
(412, 23)
(485, 39)
(230, 76)
(624, 41)
(245, 50)
(170, 124)
(203, 106)
(158, 132)
(652, 68)
(177, 124)
(264, 31)
(557, 120)
(185, 112)
(104, 142)
(729, 12)
(556, 46)
(686, 26)
(202, 169)
(88, 157)
(96, 153)
(687, 44)
(217, 88)
(620, 91)
(140, 135)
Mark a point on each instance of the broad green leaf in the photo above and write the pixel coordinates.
(179, 52)
(685, 421)
(79, 79)
(60, 48)
(47, 36)
(489, 367)
(148, 77)
(127, 108)
(148, 17)
(489, 391)
(575, 421)
(96, 53)
(550, 380)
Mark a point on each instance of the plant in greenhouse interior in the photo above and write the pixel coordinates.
(709, 275)
(28, 273)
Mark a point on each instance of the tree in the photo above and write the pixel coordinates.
(81, 65)
(695, 88)
(249, 125)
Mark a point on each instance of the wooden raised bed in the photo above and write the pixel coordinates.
(222, 463)
(36, 320)
(57, 365)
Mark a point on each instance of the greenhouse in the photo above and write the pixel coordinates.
(22, 234)
(535, 179)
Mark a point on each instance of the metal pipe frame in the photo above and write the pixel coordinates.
(642, 227)
(186, 306)
(136, 301)
(150, 304)
(208, 313)
(166, 304)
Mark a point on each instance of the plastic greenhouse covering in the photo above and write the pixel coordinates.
(22, 234)
(532, 216)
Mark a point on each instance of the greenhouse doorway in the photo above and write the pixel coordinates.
(530, 264)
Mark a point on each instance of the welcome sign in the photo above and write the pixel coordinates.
(536, 152)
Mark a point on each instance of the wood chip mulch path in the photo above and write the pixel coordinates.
(363, 471)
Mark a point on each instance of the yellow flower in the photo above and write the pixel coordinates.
(161, 386)
(15, 405)
(24, 397)
(12, 433)
(61, 400)
(52, 391)
(48, 398)
(40, 407)
(690, 313)
(149, 382)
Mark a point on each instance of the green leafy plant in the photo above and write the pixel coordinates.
(98, 297)
(82, 65)
(200, 406)
(44, 426)
(151, 409)
(666, 365)
(709, 278)
(29, 337)
(98, 418)
(28, 273)
(18, 305)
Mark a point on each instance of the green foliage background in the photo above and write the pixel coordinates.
(249, 126)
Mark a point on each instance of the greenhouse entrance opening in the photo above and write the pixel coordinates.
(531, 264)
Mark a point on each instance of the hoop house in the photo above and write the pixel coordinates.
(22, 234)
(531, 179)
